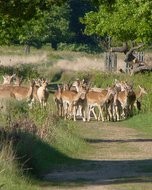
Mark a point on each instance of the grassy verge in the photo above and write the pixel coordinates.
(40, 142)
(141, 122)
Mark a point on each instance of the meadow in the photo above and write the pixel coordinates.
(35, 140)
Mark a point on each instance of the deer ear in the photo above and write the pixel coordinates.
(139, 86)
(116, 81)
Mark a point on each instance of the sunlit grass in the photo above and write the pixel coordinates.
(141, 122)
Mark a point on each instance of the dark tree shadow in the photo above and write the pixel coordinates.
(116, 140)
(49, 166)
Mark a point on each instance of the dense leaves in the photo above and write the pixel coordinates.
(124, 20)
(58, 21)
(26, 21)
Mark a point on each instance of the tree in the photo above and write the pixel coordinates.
(24, 21)
(56, 25)
(122, 20)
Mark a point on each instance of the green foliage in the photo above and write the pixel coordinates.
(11, 174)
(52, 141)
(124, 20)
(25, 22)
(26, 71)
(56, 25)
(40, 22)
(78, 47)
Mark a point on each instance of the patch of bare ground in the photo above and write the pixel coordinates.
(119, 158)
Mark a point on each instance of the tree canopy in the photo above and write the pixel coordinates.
(55, 21)
(121, 19)
(25, 20)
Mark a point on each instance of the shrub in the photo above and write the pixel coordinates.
(79, 47)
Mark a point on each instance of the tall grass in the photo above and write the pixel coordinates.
(40, 139)
(11, 175)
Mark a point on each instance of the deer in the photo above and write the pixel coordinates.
(58, 100)
(99, 100)
(43, 93)
(123, 101)
(18, 81)
(18, 92)
(139, 94)
(8, 79)
(70, 100)
(5, 95)
(23, 92)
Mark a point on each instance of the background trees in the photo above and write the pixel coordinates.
(49, 21)
(122, 20)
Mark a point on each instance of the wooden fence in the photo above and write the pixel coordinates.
(110, 62)
(140, 56)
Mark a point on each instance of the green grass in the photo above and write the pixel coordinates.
(141, 122)
(61, 143)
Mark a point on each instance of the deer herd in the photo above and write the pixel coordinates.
(79, 100)
(114, 103)
(36, 91)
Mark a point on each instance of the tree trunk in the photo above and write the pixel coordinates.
(122, 49)
(141, 69)
(27, 49)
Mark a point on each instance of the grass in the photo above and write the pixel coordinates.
(31, 155)
(141, 122)
(55, 142)
(11, 176)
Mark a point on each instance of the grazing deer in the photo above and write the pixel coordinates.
(43, 93)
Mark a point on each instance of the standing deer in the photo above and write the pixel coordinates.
(70, 100)
(58, 100)
(43, 93)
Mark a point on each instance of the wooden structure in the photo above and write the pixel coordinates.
(110, 62)
(140, 56)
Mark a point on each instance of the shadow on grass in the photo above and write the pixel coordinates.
(51, 167)
(116, 140)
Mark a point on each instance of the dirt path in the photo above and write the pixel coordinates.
(120, 158)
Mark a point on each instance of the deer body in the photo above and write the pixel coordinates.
(69, 100)
(43, 94)
(58, 101)
(99, 100)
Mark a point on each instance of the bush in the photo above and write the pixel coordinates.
(26, 71)
(79, 47)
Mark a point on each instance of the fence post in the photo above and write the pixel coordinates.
(110, 60)
(140, 56)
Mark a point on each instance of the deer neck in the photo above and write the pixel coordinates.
(77, 96)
